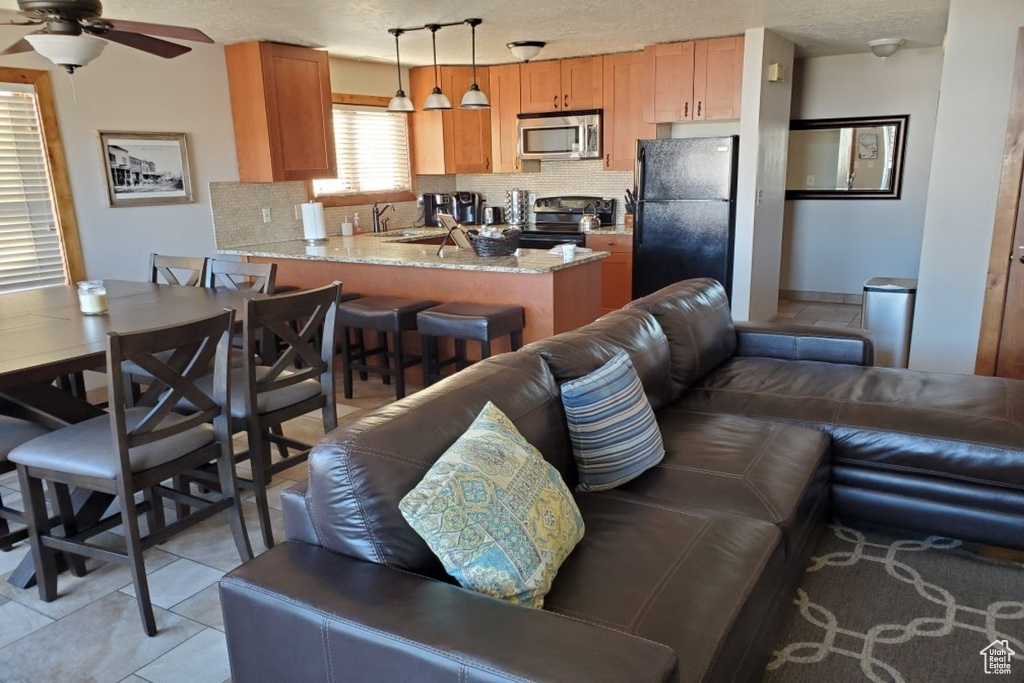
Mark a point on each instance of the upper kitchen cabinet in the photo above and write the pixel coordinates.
(562, 85)
(455, 141)
(626, 90)
(697, 80)
(281, 106)
(718, 78)
(506, 86)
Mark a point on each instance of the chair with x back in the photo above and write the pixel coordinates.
(240, 276)
(189, 271)
(270, 390)
(134, 449)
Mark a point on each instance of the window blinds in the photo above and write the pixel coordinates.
(372, 148)
(30, 254)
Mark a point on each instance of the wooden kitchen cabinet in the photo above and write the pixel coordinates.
(562, 85)
(699, 80)
(281, 107)
(456, 141)
(718, 78)
(626, 92)
(616, 270)
(506, 86)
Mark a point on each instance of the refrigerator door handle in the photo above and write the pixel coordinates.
(638, 223)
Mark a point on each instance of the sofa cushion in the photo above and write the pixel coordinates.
(695, 317)
(360, 472)
(675, 575)
(574, 354)
(495, 513)
(615, 437)
(958, 427)
(770, 471)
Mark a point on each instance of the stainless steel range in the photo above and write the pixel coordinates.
(557, 220)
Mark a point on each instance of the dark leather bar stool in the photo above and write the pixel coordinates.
(460, 321)
(383, 314)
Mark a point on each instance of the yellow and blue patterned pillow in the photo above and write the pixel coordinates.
(496, 514)
(615, 436)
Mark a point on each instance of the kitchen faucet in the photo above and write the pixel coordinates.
(377, 213)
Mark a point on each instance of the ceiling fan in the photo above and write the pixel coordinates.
(71, 28)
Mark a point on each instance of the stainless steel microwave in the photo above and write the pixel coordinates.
(560, 135)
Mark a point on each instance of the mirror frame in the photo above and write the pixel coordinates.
(899, 145)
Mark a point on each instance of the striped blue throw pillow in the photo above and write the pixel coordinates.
(615, 437)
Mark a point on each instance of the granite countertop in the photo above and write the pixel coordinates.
(618, 229)
(393, 249)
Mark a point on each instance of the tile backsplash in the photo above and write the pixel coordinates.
(554, 178)
(238, 207)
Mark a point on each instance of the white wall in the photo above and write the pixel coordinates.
(970, 133)
(355, 77)
(764, 140)
(126, 90)
(835, 245)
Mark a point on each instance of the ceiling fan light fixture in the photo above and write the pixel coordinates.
(885, 47)
(525, 50)
(67, 51)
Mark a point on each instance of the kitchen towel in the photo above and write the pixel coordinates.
(313, 226)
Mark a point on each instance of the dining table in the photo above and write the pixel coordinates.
(44, 336)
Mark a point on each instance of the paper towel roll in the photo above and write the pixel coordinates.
(313, 226)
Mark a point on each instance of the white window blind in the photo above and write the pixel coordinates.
(372, 148)
(30, 254)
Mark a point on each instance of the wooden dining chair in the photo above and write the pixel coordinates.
(135, 449)
(271, 390)
(240, 276)
(189, 271)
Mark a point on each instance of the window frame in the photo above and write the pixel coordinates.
(56, 160)
(334, 200)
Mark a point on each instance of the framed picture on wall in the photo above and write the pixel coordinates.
(146, 169)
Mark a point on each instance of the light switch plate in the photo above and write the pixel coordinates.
(266, 214)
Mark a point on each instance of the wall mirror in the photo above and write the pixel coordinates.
(851, 158)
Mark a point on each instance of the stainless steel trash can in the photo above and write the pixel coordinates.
(888, 314)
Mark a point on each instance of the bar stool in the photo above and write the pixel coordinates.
(383, 314)
(461, 321)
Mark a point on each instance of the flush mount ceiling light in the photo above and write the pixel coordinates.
(525, 50)
(474, 97)
(885, 47)
(436, 100)
(67, 51)
(399, 103)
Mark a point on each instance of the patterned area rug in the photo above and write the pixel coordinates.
(877, 607)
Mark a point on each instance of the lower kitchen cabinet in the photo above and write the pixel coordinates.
(616, 270)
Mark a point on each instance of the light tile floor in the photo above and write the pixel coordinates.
(93, 631)
(819, 314)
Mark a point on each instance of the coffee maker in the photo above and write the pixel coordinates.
(467, 207)
(434, 204)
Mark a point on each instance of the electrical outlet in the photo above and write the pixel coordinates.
(759, 197)
(298, 212)
(266, 214)
(810, 181)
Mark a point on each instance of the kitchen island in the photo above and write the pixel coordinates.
(556, 295)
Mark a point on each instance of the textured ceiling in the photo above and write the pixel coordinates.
(358, 28)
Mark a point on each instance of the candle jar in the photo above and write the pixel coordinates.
(92, 297)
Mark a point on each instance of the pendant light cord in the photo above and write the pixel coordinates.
(472, 28)
(433, 39)
(398, 60)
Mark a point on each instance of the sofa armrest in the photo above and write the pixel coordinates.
(802, 342)
(298, 525)
(302, 612)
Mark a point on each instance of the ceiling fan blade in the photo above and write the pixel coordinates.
(12, 14)
(20, 46)
(154, 46)
(165, 30)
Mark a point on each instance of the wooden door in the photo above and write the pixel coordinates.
(541, 87)
(426, 127)
(626, 85)
(582, 83)
(672, 68)
(504, 93)
(298, 92)
(718, 78)
(467, 131)
(1001, 340)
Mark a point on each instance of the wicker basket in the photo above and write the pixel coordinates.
(505, 245)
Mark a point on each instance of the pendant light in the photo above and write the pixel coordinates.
(399, 103)
(474, 97)
(436, 100)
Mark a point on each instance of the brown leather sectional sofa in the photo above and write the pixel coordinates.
(685, 572)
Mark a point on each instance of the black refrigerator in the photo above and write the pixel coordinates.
(685, 216)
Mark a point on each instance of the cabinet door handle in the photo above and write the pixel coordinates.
(686, 108)
(487, 163)
(565, 102)
(555, 101)
(607, 159)
(517, 162)
(698, 107)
